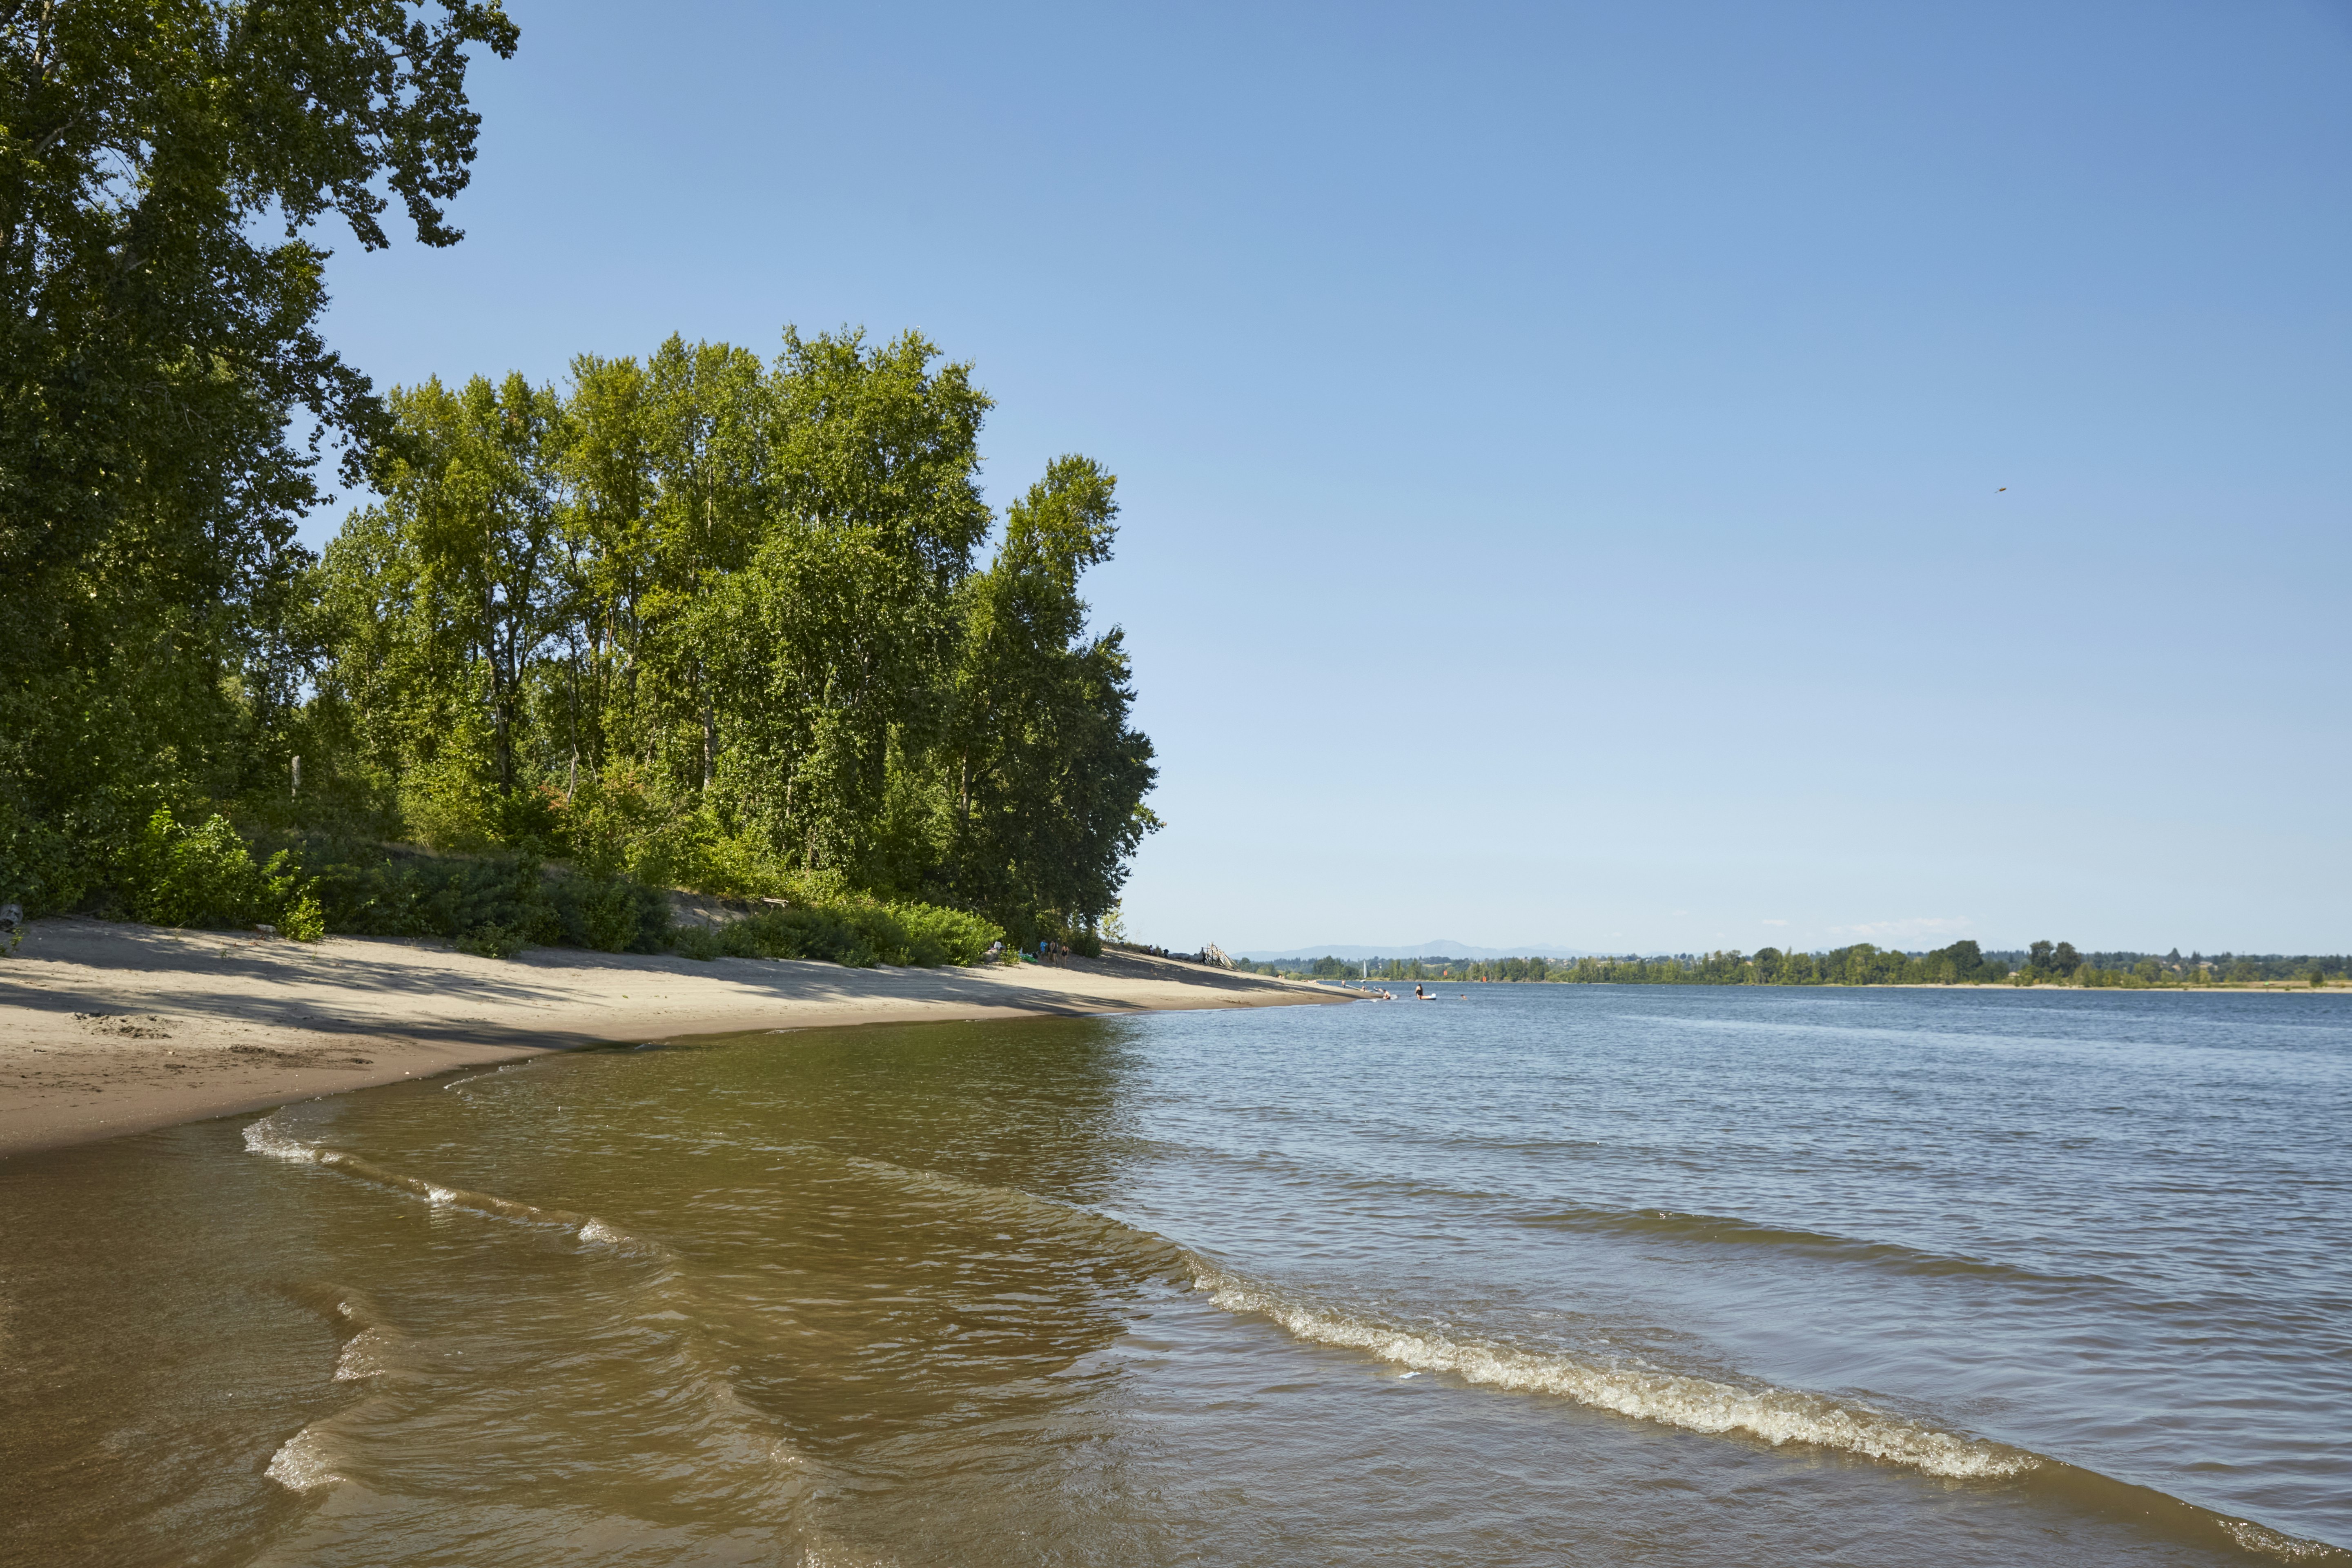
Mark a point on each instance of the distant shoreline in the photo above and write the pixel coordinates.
(108, 1029)
(2235, 987)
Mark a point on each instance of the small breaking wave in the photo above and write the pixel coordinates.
(360, 1359)
(1700, 1405)
(2252, 1537)
(300, 1464)
(1777, 1416)
(266, 1137)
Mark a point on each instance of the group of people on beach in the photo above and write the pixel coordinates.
(1046, 952)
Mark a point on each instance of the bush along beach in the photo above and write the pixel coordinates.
(207, 877)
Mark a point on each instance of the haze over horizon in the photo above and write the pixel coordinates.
(1674, 478)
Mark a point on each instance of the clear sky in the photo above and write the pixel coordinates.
(1563, 447)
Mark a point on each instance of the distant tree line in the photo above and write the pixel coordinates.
(1962, 964)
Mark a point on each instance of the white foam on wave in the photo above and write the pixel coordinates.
(269, 1138)
(362, 1356)
(1777, 1416)
(266, 1137)
(1699, 1405)
(2254, 1537)
(298, 1464)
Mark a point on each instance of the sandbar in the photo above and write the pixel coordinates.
(108, 1029)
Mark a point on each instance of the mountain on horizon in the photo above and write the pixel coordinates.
(1440, 948)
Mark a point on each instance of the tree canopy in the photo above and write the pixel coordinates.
(699, 617)
(159, 348)
(724, 623)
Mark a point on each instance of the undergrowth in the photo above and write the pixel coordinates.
(494, 906)
(858, 933)
(172, 875)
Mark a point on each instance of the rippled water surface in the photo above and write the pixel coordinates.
(1541, 1275)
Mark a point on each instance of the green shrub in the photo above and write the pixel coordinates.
(858, 935)
(613, 915)
(937, 935)
(529, 821)
(45, 868)
(177, 876)
(610, 914)
(700, 943)
(612, 918)
(494, 941)
(369, 891)
(444, 806)
(495, 905)
(608, 821)
(400, 893)
(172, 876)
(303, 920)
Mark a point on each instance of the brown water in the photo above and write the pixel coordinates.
(1580, 1275)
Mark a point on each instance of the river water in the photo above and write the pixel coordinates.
(1537, 1274)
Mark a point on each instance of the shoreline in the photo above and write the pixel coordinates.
(2231, 988)
(111, 1028)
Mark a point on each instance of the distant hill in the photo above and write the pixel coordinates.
(1438, 949)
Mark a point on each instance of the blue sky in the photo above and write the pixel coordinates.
(1562, 446)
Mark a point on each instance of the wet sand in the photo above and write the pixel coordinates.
(112, 1028)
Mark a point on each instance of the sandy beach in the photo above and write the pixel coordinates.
(110, 1029)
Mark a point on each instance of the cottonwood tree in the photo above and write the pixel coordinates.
(450, 592)
(1042, 778)
(158, 347)
(727, 614)
(838, 636)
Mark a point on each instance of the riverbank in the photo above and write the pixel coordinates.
(2220, 988)
(110, 1028)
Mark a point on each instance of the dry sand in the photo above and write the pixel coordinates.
(108, 1029)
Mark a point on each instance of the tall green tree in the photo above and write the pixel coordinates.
(827, 640)
(709, 426)
(1043, 779)
(610, 559)
(158, 348)
(450, 593)
(839, 635)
